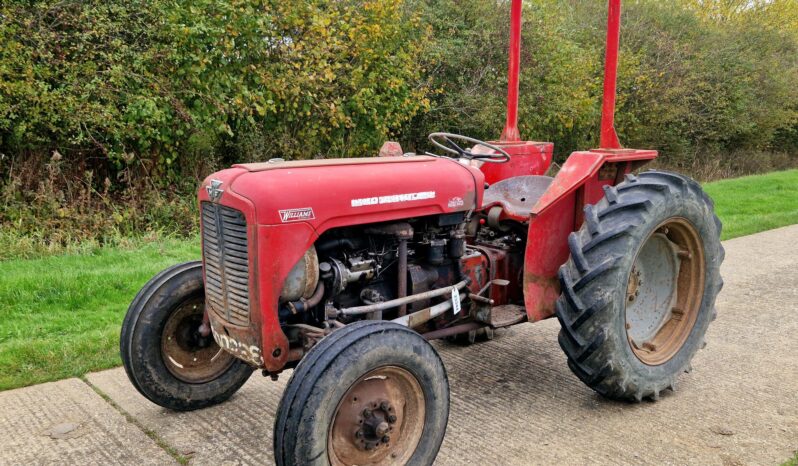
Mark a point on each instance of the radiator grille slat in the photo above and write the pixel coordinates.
(224, 247)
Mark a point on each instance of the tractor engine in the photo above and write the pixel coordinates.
(368, 264)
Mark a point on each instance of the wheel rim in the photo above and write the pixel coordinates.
(379, 420)
(664, 291)
(188, 355)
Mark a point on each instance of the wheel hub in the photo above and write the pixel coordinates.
(376, 423)
(651, 293)
(187, 354)
(379, 420)
(664, 291)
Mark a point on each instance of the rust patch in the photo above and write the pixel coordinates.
(379, 420)
(548, 288)
(608, 171)
(240, 342)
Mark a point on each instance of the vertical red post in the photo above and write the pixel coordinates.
(609, 138)
(510, 133)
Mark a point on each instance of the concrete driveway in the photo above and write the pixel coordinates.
(514, 401)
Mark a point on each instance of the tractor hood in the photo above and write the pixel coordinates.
(339, 192)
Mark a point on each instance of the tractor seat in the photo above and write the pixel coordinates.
(516, 195)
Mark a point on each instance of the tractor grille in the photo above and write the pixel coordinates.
(224, 248)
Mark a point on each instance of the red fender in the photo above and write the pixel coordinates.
(559, 211)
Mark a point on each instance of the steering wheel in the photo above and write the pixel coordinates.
(445, 141)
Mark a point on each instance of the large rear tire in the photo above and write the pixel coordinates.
(165, 357)
(638, 291)
(373, 392)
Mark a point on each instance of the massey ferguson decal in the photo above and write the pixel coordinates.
(215, 190)
(393, 198)
(296, 215)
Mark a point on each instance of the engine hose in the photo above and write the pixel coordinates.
(298, 307)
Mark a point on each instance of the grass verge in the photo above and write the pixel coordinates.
(756, 203)
(60, 315)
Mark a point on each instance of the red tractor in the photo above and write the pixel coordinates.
(344, 269)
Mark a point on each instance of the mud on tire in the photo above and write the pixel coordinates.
(597, 284)
(141, 347)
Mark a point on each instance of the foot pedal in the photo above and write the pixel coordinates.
(506, 315)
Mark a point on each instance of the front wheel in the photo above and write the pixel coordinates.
(371, 393)
(165, 357)
(638, 291)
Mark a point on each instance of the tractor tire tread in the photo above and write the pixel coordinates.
(147, 374)
(589, 280)
(316, 369)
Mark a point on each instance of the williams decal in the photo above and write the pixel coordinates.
(296, 215)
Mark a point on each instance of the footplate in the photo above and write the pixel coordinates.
(506, 315)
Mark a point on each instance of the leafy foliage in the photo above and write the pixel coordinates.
(110, 111)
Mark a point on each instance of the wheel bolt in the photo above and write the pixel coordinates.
(386, 439)
(391, 418)
(382, 428)
(367, 413)
(359, 434)
(384, 406)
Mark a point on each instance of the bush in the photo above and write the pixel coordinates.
(110, 112)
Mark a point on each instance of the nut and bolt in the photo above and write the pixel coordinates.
(381, 429)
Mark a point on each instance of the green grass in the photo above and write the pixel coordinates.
(792, 461)
(60, 315)
(756, 203)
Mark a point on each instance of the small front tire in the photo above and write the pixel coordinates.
(373, 392)
(165, 357)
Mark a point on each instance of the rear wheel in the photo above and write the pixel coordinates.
(165, 356)
(638, 292)
(371, 393)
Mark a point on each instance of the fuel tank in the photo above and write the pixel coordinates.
(339, 192)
